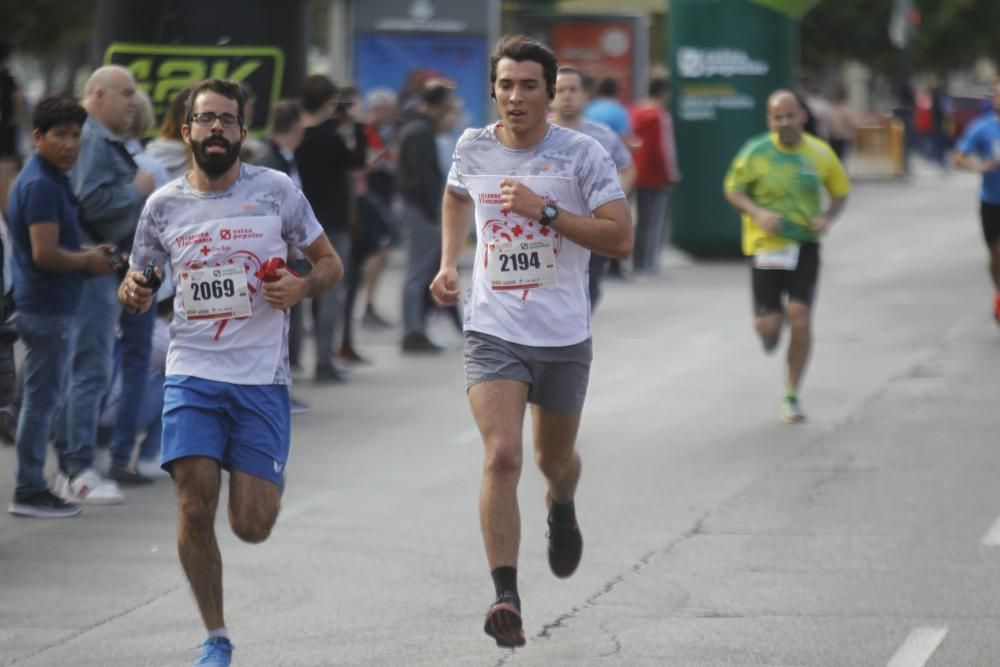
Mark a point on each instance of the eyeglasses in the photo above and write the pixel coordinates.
(207, 119)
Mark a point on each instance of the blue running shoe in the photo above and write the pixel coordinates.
(215, 652)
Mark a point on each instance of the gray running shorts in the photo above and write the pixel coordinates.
(557, 377)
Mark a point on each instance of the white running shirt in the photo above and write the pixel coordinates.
(568, 169)
(254, 220)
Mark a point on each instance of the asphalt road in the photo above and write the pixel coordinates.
(715, 535)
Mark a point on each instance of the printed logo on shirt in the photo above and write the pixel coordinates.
(243, 233)
(196, 238)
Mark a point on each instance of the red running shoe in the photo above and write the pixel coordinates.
(996, 307)
(503, 622)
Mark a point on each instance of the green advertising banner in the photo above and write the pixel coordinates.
(164, 70)
(727, 57)
(796, 8)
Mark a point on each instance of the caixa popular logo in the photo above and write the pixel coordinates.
(163, 71)
(693, 63)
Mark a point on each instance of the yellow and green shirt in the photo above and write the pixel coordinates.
(786, 181)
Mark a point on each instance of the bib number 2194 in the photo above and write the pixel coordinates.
(521, 265)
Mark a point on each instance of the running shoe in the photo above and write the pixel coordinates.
(348, 354)
(127, 475)
(372, 320)
(151, 468)
(41, 505)
(791, 413)
(215, 652)
(298, 407)
(503, 622)
(996, 307)
(565, 545)
(88, 488)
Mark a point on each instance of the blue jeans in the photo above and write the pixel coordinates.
(651, 215)
(151, 419)
(423, 258)
(137, 339)
(328, 305)
(45, 371)
(92, 358)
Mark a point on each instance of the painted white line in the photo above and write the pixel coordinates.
(992, 536)
(918, 647)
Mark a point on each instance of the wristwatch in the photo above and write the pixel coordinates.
(549, 213)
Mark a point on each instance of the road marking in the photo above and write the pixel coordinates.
(992, 536)
(918, 647)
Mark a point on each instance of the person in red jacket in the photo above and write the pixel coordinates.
(655, 158)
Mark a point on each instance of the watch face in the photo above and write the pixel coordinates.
(549, 211)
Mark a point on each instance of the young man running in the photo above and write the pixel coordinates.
(543, 198)
(775, 182)
(979, 150)
(226, 404)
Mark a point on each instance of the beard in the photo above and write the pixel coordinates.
(215, 164)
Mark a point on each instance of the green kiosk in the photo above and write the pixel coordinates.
(726, 56)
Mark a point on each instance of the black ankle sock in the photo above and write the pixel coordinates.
(505, 581)
(560, 513)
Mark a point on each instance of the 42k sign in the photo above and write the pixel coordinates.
(163, 71)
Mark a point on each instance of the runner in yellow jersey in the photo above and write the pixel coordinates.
(776, 182)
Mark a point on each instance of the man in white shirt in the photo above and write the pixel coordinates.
(543, 198)
(225, 228)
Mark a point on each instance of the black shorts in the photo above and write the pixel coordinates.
(990, 215)
(770, 285)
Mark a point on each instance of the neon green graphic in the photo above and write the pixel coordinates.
(163, 71)
(794, 8)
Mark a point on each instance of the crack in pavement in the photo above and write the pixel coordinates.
(614, 582)
(615, 641)
(838, 471)
(94, 626)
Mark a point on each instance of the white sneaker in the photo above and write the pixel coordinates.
(151, 468)
(88, 488)
(791, 413)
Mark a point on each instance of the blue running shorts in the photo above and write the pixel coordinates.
(243, 427)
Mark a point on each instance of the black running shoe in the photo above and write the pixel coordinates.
(503, 622)
(565, 546)
(41, 505)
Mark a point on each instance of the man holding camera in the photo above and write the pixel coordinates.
(333, 145)
(111, 190)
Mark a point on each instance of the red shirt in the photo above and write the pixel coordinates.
(655, 155)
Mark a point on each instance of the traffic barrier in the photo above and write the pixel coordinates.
(878, 150)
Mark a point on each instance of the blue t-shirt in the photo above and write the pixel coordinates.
(41, 193)
(610, 112)
(982, 139)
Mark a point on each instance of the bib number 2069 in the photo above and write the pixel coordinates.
(213, 289)
(215, 293)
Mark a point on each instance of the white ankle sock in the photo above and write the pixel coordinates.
(219, 632)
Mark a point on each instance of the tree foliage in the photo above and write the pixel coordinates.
(952, 33)
(47, 28)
